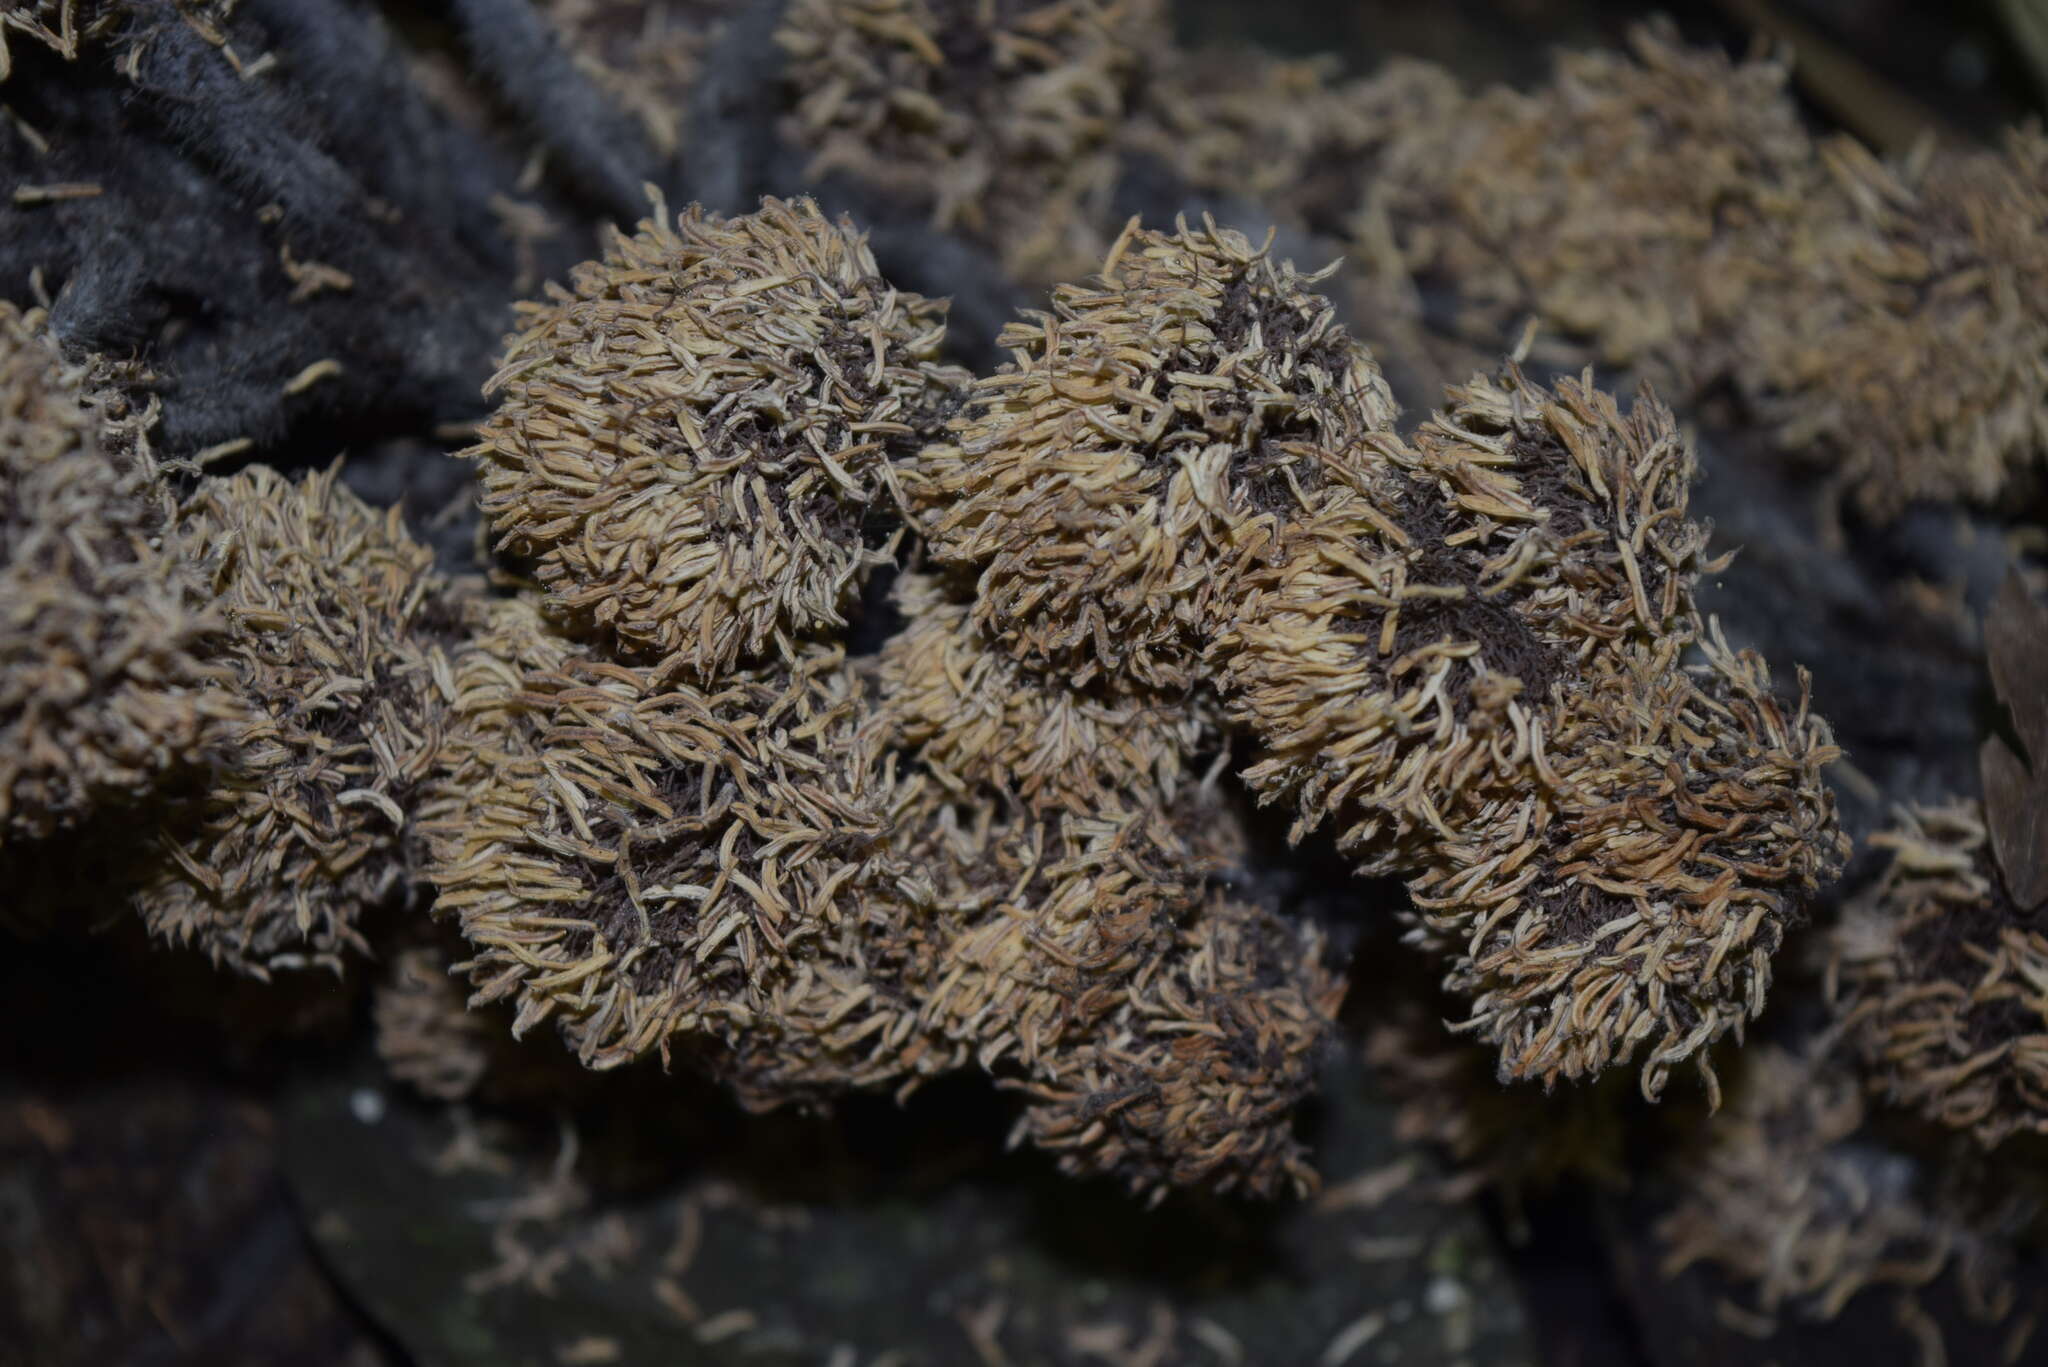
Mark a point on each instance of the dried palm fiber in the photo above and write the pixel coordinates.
(1792, 1197)
(1151, 433)
(104, 684)
(706, 866)
(693, 436)
(983, 724)
(1941, 982)
(337, 631)
(1193, 1077)
(426, 1035)
(1895, 330)
(996, 114)
(1471, 657)
(1606, 201)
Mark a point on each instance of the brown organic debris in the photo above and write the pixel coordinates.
(1473, 659)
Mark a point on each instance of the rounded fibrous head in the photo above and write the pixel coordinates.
(337, 627)
(1194, 1077)
(104, 688)
(997, 117)
(982, 723)
(695, 442)
(1940, 981)
(1474, 656)
(1148, 438)
(655, 864)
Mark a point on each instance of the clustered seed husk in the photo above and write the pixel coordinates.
(1471, 659)
(336, 629)
(644, 54)
(998, 115)
(1792, 1197)
(1938, 980)
(1153, 433)
(693, 438)
(104, 688)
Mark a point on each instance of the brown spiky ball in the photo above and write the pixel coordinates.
(1150, 436)
(1193, 1078)
(104, 688)
(995, 116)
(1941, 981)
(695, 441)
(670, 865)
(1472, 659)
(336, 639)
(978, 720)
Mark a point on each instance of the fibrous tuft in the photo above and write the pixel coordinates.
(981, 721)
(336, 630)
(1193, 1078)
(104, 690)
(1936, 976)
(1150, 436)
(998, 116)
(668, 863)
(696, 439)
(1472, 658)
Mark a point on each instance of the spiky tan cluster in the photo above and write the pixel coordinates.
(1155, 430)
(674, 860)
(979, 719)
(1941, 982)
(1612, 201)
(1193, 1077)
(692, 437)
(1906, 324)
(997, 114)
(1471, 660)
(1792, 1197)
(336, 628)
(103, 687)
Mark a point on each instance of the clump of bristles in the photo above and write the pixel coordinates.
(1193, 1077)
(1153, 433)
(979, 719)
(1792, 1198)
(336, 625)
(693, 438)
(1612, 201)
(1941, 982)
(1471, 659)
(999, 115)
(666, 860)
(1908, 321)
(104, 688)
(1667, 208)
